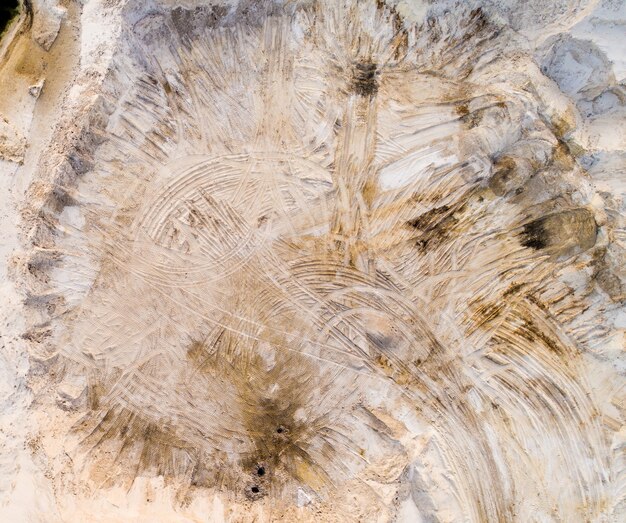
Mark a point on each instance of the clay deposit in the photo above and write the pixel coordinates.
(313, 260)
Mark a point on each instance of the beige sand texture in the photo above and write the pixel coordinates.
(313, 260)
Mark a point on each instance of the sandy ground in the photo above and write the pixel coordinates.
(255, 267)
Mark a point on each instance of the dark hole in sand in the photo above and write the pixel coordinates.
(261, 471)
(255, 490)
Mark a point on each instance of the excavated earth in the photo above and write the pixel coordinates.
(313, 260)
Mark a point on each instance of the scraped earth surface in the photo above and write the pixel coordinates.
(316, 261)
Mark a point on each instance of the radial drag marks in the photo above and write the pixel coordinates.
(314, 255)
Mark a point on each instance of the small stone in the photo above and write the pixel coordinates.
(303, 498)
(72, 393)
(35, 90)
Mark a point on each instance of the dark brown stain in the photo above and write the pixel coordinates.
(434, 226)
(279, 439)
(369, 191)
(513, 289)
(429, 218)
(95, 391)
(141, 448)
(469, 118)
(534, 235)
(565, 232)
(561, 126)
(189, 22)
(562, 157)
(276, 438)
(400, 42)
(475, 28)
(364, 80)
(533, 333)
(504, 170)
(37, 335)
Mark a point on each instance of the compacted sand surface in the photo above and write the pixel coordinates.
(313, 260)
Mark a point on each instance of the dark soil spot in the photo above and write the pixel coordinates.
(434, 226)
(189, 22)
(364, 78)
(562, 233)
(534, 235)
